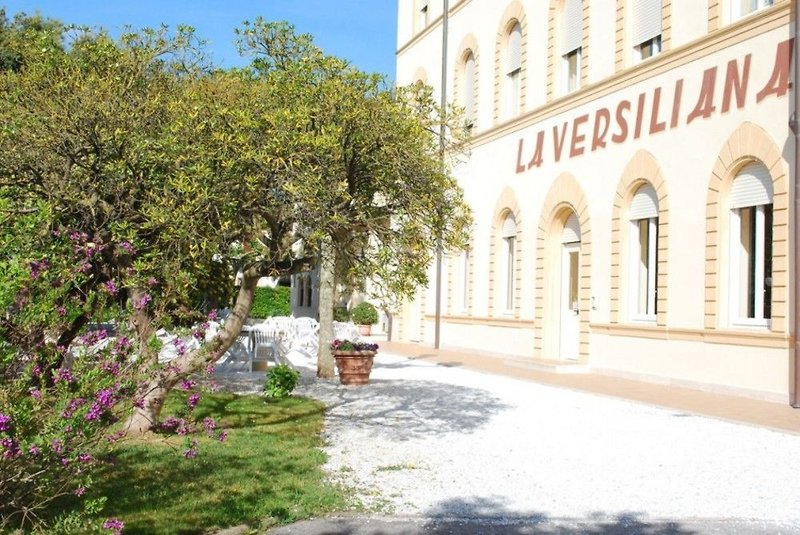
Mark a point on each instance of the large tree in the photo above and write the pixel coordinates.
(172, 175)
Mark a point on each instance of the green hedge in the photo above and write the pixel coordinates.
(271, 302)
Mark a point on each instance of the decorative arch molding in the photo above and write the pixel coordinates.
(468, 44)
(506, 204)
(643, 168)
(513, 13)
(420, 75)
(553, 52)
(564, 198)
(749, 143)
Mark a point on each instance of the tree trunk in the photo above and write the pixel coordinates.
(326, 297)
(155, 391)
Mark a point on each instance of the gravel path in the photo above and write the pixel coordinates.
(444, 442)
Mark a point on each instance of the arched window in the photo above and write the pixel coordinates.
(509, 236)
(751, 246)
(513, 69)
(647, 29)
(742, 8)
(468, 89)
(422, 15)
(571, 38)
(463, 301)
(643, 270)
(309, 290)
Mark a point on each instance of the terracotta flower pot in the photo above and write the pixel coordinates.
(365, 330)
(354, 367)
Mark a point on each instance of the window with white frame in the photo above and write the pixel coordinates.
(647, 29)
(643, 266)
(464, 297)
(513, 69)
(509, 240)
(572, 33)
(742, 8)
(468, 89)
(422, 15)
(751, 247)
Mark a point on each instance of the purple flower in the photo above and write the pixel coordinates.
(85, 458)
(194, 399)
(111, 287)
(105, 397)
(64, 375)
(95, 412)
(34, 450)
(171, 423)
(5, 422)
(65, 461)
(114, 525)
(38, 267)
(180, 345)
(121, 346)
(84, 267)
(152, 281)
(37, 371)
(115, 437)
(138, 403)
(61, 311)
(11, 447)
(209, 424)
(36, 394)
(213, 315)
(141, 303)
(127, 247)
(56, 445)
(187, 384)
(223, 436)
(191, 453)
(111, 368)
(210, 369)
(79, 491)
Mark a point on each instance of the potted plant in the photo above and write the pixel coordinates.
(353, 360)
(364, 315)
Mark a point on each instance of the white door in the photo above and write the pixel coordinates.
(570, 317)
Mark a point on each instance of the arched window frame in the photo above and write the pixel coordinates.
(643, 254)
(513, 69)
(508, 235)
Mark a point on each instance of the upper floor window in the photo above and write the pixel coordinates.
(468, 89)
(643, 270)
(647, 29)
(572, 34)
(741, 8)
(464, 293)
(422, 15)
(513, 69)
(751, 246)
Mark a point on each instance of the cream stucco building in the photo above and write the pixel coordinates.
(631, 178)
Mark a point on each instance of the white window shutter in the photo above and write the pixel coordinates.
(647, 20)
(573, 25)
(509, 227)
(572, 230)
(515, 49)
(751, 187)
(469, 87)
(644, 204)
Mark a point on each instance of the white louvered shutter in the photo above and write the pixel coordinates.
(573, 25)
(648, 20)
(644, 204)
(515, 49)
(509, 228)
(572, 230)
(469, 87)
(751, 187)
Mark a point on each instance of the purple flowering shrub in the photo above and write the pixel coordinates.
(349, 345)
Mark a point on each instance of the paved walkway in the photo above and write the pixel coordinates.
(778, 416)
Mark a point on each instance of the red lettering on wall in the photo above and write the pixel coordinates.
(577, 137)
(598, 137)
(622, 122)
(778, 83)
(705, 101)
(520, 166)
(655, 126)
(676, 103)
(736, 83)
(639, 116)
(538, 157)
(558, 140)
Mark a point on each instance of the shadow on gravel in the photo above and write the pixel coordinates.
(489, 517)
(402, 409)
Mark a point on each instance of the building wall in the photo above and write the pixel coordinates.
(714, 99)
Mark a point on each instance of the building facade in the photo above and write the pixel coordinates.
(631, 181)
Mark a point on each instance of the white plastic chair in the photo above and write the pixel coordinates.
(345, 331)
(265, 340)
(306, 335)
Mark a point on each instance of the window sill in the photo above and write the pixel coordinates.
(750, 324)
(643, 319)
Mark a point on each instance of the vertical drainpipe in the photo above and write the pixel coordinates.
(443, 102)
(796, 232)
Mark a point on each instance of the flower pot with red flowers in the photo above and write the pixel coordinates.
(353, 360)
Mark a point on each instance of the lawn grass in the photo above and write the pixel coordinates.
(268, 471)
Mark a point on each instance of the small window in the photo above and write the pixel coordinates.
(513, 70)
(309, 291)
(572, 34)
(643, 270)
(646, 28)
(299, 281)
(742, 8)
(422, 15)
(464, 301)
(751, 247)
(468, 90)
(509, 237)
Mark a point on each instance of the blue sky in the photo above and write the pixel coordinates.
(361, 31)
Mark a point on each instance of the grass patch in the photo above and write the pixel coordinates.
(267, 472)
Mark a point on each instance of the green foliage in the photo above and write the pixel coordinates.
(341, 314)
(270, 302)
(281, 381)
(269, 470)
(364, 314)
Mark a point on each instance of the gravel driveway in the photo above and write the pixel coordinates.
(444, 442)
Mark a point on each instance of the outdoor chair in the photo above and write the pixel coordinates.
(266, 344)
(306, 335)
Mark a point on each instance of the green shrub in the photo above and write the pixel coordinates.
(341, 314)
(271, 302)
(364, 314)
(281, 381)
